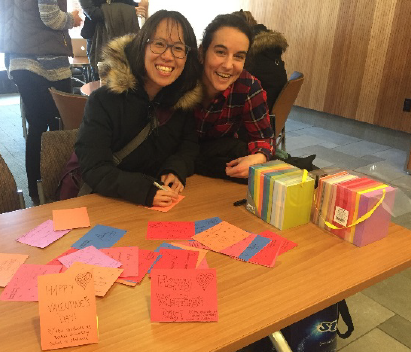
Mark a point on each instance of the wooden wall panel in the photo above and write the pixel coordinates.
(355, 55)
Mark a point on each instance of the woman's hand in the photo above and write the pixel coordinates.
(239, 167)
(176, 186)
(164, 198)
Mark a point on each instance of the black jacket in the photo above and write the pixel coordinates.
(114, 115)
(264, 61)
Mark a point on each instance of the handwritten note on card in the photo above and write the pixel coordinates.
(166, 209)
(67, 306)
(100, 236)
(42, 235)
(166, 230)
(176, 259)
(179, 295)
(23, 285)
(89, 255)
(286, 244)
(9, 263)
(127, 256)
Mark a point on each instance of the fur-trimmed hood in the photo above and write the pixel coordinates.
(268, 39)
(115, 72)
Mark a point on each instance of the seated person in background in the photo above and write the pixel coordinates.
(104, 21)
(264, 58)
(232, 98)
(150, 80)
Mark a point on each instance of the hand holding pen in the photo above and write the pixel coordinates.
(165, 196)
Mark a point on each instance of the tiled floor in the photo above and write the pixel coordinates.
(381, 313)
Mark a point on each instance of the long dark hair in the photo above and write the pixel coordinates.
(227, 20)
(135, 53)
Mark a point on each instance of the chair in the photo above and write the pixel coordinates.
(11, 198)
(56, 149)
(70, 106)
(283, 105)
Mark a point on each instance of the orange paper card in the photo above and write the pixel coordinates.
(183, 295)
(9, 263)
(166, 209)
(67, 307)
(104, 277)
(221, 236)
(66, 219)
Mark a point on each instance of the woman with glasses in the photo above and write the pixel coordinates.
(150, 82)
(232, 99)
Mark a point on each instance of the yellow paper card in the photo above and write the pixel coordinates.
(67, 307)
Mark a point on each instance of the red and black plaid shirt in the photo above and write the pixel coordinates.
(242, 103)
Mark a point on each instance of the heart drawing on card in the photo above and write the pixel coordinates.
(204, 280)
(83, 279)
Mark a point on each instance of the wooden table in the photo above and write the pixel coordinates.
(90, 87)
(254, 301)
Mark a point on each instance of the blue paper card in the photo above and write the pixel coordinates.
(202, 225)
(100, 236)
(254, 247)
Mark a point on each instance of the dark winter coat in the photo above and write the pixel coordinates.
(264, 61)
(114, 115)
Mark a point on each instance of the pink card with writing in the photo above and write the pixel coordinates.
(166, 209)
(89, 255)
(176, 259)
(9, 263)
(170, 230)
(286, 244)
(146, 258)
(23, 285)
(42, 235)
(184, 295)
(56, 260)
(201, 252)
(127, 256)
(221, 236)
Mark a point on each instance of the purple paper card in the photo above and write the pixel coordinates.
(89, 255)
(42, 235)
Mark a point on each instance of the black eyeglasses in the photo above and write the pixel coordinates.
(159, 46)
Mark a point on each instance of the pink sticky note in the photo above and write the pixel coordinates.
(176, 259)
(89, 255)
(188, 295)
(127, 256)
(103, 277)
(9, 263)
(236, 249)
(146, 258)
(23, 285)
(286, 244)
(166, 209)
(221, 236)
(66, 219)
(42, 235)
(170, 230)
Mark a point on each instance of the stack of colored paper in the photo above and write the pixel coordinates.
(280, 194)
(357, 209)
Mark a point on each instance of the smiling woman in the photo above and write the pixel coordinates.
(232, 99)
(150, 85)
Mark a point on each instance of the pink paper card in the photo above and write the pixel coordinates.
(127, 256)
(104, 277)
(184, 295)
(42, 235)
(176, 259)
(285, 246)
(221, 236)
(67, 219)
(166, 209)
(56, 261)
(67, 308)
(146, 258)
(89, 255)
(236, 249)
(23, 285)
(9, 263)
(170, 230)
(201, 252)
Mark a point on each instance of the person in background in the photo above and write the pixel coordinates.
(106, 20)
(151, 79)
(264, 59)
(37, 46)
(232, 99)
